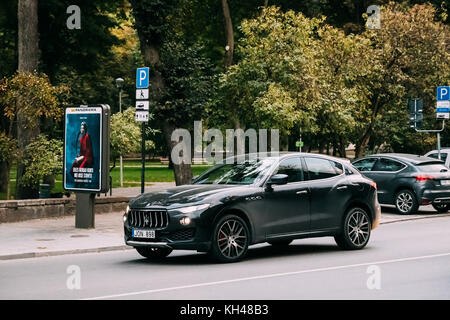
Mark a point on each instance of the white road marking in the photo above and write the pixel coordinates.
(204, 284)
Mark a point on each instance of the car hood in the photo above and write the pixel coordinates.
(179, 196)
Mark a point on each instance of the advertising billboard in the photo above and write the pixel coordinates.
(86, 148)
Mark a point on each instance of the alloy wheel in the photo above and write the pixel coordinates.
(404, 202)
(358, 228)
(232, 238)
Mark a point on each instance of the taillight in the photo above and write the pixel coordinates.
(423, 178)
(374, 184)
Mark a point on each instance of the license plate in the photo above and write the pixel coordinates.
(147, 234)
(445, 182)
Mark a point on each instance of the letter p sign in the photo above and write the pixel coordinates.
(142, 78)
(443, 93)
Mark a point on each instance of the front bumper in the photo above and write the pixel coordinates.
(174, 235)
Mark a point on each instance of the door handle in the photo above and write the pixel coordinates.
(341, 187)
(302, 192)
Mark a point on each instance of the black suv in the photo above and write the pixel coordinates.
(252, 199)
(408, 181)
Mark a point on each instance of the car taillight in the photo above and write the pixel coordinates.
(374, 184)
(423, 178)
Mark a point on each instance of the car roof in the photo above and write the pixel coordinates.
(406, 157)
(285, 154)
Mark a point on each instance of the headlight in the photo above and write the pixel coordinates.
(194, 208)
(125, 216)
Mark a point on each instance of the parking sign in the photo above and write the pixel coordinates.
(443, 93)
(142, 76)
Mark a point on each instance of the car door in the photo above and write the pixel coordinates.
(330, 192)
(287, 206)
(384, 173)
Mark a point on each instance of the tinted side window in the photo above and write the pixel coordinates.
(293, 168)
(322, 168)
(388, 165)
(365, 164)
(435, 156)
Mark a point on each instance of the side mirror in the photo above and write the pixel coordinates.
(278, 179)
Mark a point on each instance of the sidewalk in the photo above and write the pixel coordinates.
(58, 236)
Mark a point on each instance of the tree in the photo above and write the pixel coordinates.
(28, 59)
(411, 56)
(181, 77)
(33, 98)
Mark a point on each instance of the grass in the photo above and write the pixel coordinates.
(131, 176)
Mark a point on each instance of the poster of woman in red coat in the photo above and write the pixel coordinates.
(85, 156)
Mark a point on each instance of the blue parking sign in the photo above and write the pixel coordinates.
(443, 93)
(142, 76)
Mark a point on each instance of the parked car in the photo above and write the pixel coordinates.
(265, 198)
(408, 181)
(444, 155)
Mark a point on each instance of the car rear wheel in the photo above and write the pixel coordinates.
(230, 239)
(280, 243)
(441, 208)
(153, 253)
(355, 231)
(406, 202)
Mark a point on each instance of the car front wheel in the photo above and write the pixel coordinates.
(406, 202)
(355, 231)
(230, 239)
(153, 253)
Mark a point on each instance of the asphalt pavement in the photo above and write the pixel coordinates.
(403, 260)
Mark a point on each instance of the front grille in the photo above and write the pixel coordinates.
(149, 218)
(185, 234)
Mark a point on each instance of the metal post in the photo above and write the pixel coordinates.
(121, 159)
(439, 145)
(85, 203)
(143, 159)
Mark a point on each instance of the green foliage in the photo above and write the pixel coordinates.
(125, 136)
(42, 157)
(38, 98)
(8, 148)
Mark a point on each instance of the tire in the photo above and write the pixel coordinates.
(441, 208)
(406, 202)
(230, 239)
(153, 253)
(355, 233)
(280, 243)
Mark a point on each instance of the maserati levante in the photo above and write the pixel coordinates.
(252, 199)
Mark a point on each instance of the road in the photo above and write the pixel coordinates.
(404, 260)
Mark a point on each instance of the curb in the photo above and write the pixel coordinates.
(63, 252)
(125, 247)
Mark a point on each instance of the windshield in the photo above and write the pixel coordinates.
(248, 172)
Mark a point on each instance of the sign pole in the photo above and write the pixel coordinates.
(143, 159)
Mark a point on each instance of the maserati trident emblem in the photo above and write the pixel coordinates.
(146, 220)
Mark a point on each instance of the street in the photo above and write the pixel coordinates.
(403, 260)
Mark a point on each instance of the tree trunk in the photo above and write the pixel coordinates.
(150, 52)
(4, 176)
(229, 34)
(229, 48)
(28, 56)
(182, 172)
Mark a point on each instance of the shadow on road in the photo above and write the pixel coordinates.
(260, 252)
